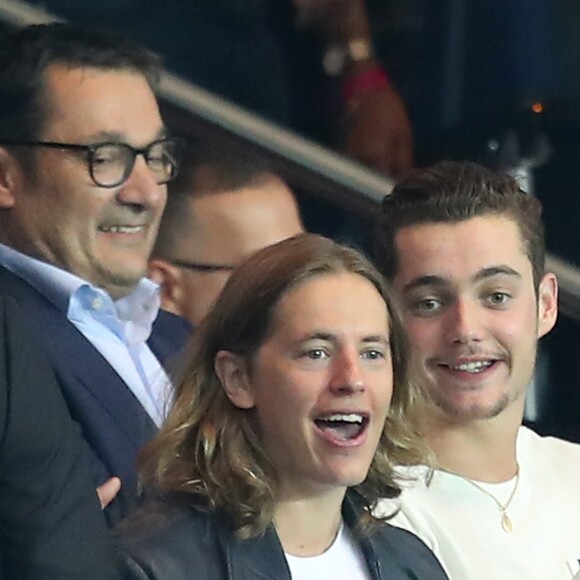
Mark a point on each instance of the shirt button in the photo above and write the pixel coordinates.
(97, 303)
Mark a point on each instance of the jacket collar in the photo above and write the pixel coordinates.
(258, 558)
(262, 557)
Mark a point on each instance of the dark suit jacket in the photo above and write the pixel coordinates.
(51, 525)
(113, 422)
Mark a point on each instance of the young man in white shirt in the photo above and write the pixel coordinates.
(464, 248)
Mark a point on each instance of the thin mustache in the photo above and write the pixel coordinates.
(128, 218)
(470, 353)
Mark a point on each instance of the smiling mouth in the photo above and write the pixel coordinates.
(343, 426)
(121, 229)
(473, 367)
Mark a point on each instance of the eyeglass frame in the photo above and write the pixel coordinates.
(205, 267)
(91, 149)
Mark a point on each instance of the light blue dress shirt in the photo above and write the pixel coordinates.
(119, 330)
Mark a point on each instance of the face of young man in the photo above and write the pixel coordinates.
(322, 382)
(472, 314)
(59, 214)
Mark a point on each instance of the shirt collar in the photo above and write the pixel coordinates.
(136, 311)
(56, 284)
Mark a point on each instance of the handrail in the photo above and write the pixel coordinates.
(312, 167)
(356, 179)
(22, 14)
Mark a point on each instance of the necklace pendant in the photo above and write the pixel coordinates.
(506, 523)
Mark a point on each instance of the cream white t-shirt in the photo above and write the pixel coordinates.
(462, 525)
(343, 559)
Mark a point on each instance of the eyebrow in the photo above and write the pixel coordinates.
(376, 338)
(328, 336)
(497, 271)
(483, 274)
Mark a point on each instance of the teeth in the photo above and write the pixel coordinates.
(473, 367)
(350, 418)
(121, 229)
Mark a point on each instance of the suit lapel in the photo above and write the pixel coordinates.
(169, 336)
(77, 363)
(75, 357)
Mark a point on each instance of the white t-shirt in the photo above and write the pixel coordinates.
(343, 559)
(462, 524)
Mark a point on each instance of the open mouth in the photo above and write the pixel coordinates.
(343, 426)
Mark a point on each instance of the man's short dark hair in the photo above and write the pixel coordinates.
(205, 169)
(26, 53)
(451, 192)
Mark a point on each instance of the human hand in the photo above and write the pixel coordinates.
(108, 491)
(377, 132)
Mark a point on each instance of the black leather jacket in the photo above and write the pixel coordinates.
(174, 542)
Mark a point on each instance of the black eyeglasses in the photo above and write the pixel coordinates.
(203, 266)
(110, 164)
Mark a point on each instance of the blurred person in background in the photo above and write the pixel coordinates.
(221, 208)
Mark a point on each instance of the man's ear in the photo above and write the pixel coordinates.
(9, 167)
(547, 304)
(232, 371)
(168, 277)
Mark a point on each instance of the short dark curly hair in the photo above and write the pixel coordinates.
(457, 191)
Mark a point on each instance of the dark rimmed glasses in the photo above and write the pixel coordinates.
(203, 266)
(110, 164)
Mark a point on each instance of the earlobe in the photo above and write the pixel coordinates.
(8, 166)
(169, 279)
(232, 371)
(547, 304)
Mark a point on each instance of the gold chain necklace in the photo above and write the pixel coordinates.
(506, 522)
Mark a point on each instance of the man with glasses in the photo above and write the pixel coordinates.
(84, 159)
(222, 208)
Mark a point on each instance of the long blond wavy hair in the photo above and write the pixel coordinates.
(209, 449)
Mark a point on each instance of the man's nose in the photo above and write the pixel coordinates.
(464, 322)
(347, 373)
(141, 187)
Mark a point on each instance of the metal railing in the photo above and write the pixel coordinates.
(313, 168)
